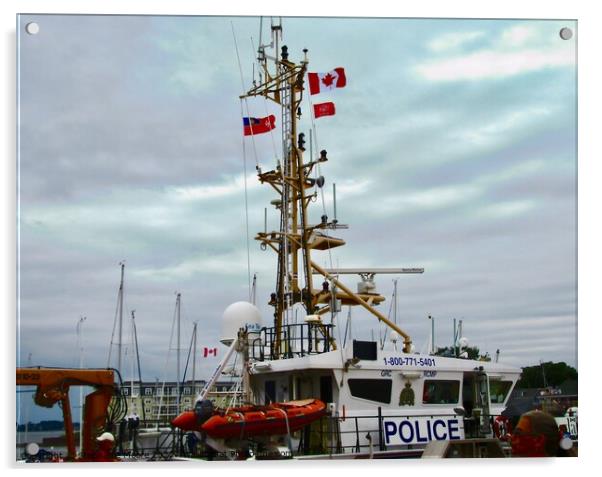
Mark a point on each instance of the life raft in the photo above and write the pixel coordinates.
(247, 421)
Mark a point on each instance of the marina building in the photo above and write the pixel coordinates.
(160, 401)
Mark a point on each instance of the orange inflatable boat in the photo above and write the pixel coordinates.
(247, 421)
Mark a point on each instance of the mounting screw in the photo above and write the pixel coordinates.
(32, 28)
(566, 33)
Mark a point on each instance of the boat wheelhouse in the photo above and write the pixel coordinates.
(382, 398)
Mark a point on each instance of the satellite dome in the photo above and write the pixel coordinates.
(241, 314)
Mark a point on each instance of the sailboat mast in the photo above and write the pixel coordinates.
(120, 343)
(178, 351)
(194, 357)
(137, 360)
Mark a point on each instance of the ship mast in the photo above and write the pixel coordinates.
(282, 82)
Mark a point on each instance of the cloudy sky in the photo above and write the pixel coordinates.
(453, 149)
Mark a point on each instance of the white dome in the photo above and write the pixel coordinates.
(239, 315)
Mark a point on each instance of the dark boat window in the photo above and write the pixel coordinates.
(440, 392)
(270, 392)
(326, 389)
(378, 390)
(498, 391)
(365, 350)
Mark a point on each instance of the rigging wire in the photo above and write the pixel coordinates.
(244, 160)
(173, 326)
(244, 155)
(242, 83)
(237, 387)
(114, 327)
(334, 312)
(265, 103)
(186, 367)
(384, 337)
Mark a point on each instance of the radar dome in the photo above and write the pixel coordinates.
(241, 314)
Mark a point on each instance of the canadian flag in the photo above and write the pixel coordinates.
(209, 352)
(319, 82)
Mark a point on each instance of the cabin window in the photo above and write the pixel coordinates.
(499, 390)
(366, 350)
(440, 392)
(270, 392)
(326, 389)
(378, 390)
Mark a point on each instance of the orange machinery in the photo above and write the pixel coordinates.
(52, 386)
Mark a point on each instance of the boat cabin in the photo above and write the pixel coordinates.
(397, 399)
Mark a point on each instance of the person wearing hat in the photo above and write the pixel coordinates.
(105, 453)
(536, 435)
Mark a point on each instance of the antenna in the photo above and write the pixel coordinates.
(347, 327)
(455, 339)
(432, 334)
(334, 201)
(543, 372)
(260, 32)
(395, 302)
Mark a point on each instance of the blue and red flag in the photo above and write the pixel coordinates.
(252, 126)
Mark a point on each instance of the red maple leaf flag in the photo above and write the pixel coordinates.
(319, 82)
(209, 352)
(324, 109)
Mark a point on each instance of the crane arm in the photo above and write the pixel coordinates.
(52, 386)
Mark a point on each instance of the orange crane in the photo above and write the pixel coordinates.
(52, 386)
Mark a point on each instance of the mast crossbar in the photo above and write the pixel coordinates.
(407, 342)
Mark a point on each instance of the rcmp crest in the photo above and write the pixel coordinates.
(406, 398)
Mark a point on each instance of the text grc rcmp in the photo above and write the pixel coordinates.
(417, 431)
